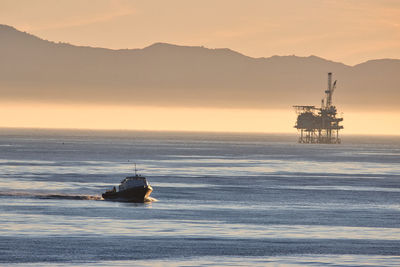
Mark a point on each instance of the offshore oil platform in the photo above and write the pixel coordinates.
(319, 125)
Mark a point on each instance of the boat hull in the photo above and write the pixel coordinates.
(135, 194)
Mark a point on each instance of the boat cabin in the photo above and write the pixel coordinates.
(133, 181)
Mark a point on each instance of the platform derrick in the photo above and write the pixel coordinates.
(319, 125)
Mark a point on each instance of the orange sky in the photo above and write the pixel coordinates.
(349, 31)
(35, 115)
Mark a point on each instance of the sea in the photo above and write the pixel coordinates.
(219, 199)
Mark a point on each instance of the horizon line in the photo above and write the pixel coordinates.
(182, 131)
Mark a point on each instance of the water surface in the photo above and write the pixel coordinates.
(220, 199)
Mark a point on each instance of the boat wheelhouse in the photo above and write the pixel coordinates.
(132, 189)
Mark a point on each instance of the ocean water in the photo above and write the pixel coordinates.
(218, 200)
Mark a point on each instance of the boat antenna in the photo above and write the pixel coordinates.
(135, 170)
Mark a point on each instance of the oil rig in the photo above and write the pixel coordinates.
(319, 125)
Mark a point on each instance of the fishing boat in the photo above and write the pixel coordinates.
(132, 189)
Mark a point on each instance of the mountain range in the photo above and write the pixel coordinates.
(33, 69)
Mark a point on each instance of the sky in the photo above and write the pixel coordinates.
(347, 31)
(68, 116)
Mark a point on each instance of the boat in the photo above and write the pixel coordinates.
(132, 189)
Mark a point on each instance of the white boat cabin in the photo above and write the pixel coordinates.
(132, 181)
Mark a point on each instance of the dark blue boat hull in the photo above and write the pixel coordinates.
(135, 194)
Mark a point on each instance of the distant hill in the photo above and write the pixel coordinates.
(172, 75)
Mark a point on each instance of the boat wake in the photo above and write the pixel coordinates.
(24, 194)
(73, 197)
(49, 196)
(150, 199)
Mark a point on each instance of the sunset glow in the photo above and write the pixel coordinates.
(111, 92)
(346, 31)
(181, 119)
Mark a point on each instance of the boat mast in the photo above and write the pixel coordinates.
(135, 170)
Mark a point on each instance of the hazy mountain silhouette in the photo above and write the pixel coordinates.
(165, 74)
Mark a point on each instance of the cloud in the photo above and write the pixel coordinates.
(105, 14)
(42, 15)
(86, 21)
